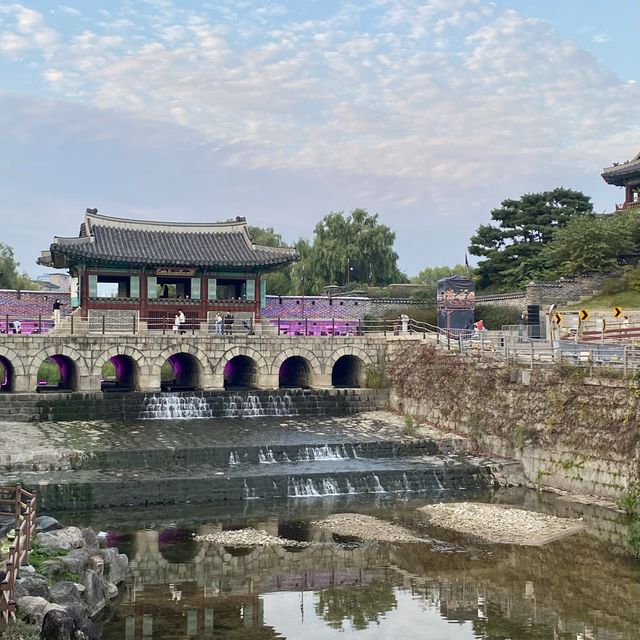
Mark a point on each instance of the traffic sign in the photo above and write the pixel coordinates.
(617, 312)
(557, 318)
(584, 314)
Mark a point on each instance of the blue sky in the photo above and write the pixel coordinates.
(427, 112)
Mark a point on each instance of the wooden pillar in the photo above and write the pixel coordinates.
(84, 293)
(144, 296)
(628, 195)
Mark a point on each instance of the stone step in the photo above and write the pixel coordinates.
(137, 487)
(237, 457)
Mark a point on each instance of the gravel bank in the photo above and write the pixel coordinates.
(366, 528)
(501, 524)
(248, 538)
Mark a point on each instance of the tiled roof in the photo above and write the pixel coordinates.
(618, 172)
(220, 246)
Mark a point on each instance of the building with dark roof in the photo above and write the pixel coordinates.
(155, 268)
(626, 175)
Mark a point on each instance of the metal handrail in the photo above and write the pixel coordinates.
(23, 505)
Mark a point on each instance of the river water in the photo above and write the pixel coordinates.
(451, 587)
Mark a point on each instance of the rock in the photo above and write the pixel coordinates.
(27, 568)
(94, 593)
(90, 539)
(67, 538)
(47, 523)
(58, 625)
(70, 623)
(6, 526)
(96, 562)
(76, 561)
(35, 607)
(32, 585)
(65, 592)
(112, 590)
(116, 565)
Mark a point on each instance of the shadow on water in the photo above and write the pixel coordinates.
(449, 586)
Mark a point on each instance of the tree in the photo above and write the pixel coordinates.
(278, 282)
(356, 248)
(588, 244)
(9, 276)
(513, 247)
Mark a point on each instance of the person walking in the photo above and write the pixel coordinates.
(218, 323)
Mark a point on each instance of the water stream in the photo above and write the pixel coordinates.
(448, 587)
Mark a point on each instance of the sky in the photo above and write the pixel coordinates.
(428, 113)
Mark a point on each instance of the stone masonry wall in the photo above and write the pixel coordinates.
(570, 431)
(209, 354)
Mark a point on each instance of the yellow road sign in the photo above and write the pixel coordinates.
(584, 314)
(617, 312)
(557, 318)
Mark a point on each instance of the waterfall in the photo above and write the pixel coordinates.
(171, 406)
(377, 485)
(266, 458)
(440, 487)
(249, 492)
(233, 458)
(324, 452)
(250, 406)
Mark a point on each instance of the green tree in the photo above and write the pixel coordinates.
(588, 244)
(9, 276)
(355, 248)
(512, 248)
(278, 282)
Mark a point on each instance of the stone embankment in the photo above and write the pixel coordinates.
(71, 579)
(572, 430)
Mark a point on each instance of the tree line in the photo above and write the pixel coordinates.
(538, 236)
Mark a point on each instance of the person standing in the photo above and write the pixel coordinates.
(218, 323)
(228, 323)
(56, 312)
(181, 321)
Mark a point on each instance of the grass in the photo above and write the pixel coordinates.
(19, 630)
(629, 299)
(410, 427)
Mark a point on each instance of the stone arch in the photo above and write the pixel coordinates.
(164, 355)
(296, 351)
(128, 362)
(14, 358)
(122, 350)
(64, 350)
(347, 350)
(187, 358)
(241, 350)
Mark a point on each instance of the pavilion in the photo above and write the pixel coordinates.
(627, 175)
(123, 269)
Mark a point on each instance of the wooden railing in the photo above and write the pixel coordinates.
(22, 506)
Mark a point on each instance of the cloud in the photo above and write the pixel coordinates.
(407, 105)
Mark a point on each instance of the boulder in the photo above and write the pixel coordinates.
(32, 585)
(65, 592)
(70, 623)
(67, 538)
(90, 539)
(47, 523)
(35, 608)
(58, 625)
(94, 593)
(112, 590)
(76, 560)
(116, 565)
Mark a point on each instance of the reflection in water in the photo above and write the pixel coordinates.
(451, 587)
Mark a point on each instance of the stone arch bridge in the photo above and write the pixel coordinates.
(152, 363)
